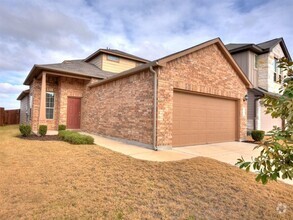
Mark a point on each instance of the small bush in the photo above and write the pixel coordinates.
(75, 138)
(25, 130)
(64, 133)
(43, 130)
(61, 127)
(257, 135)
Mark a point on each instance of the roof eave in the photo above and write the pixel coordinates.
(251, 47)
(23, 94)
(222, 47)
(28, 79)
(100, 51)
(285, 49)
(33, 73)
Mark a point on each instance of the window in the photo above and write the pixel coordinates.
(255, 61)
(113, 58)
(277, 72)
(30, 107)
(50, 105)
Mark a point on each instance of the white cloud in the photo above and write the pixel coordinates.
(52, 31)
(7, 88)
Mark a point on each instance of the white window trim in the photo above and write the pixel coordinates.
(50, 107)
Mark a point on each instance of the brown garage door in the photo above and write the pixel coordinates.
(199, 119)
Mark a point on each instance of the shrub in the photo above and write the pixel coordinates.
(257, 135)
(43, 130)
(61, 127)
(75, 138)
(25, 130)
(248, 133)
(64, 133)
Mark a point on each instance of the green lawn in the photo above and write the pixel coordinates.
(45, 180)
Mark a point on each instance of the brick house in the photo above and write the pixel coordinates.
(260, 64)
(194, 96)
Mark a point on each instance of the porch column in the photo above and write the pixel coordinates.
(42, 117)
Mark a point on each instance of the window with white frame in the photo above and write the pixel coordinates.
(30, 106)
(50, 98)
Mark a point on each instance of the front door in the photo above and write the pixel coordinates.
(73, 113)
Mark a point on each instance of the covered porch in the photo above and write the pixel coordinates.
(56, 100)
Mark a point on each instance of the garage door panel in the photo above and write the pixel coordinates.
(202, 119)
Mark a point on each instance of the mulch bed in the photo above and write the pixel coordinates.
(40, 138)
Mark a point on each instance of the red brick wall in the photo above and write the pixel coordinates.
(68, 87)
(204, 71)
(35, 90)
(123, 108)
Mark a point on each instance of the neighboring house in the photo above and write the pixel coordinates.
(24, 107)
(195, 96)
(259, 63)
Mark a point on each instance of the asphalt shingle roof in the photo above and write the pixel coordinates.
(235, 46)
(80, 67)
(269, 44)
(260, 48)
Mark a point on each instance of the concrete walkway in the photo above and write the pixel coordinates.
(138, 152)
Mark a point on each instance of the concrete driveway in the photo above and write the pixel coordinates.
(227, 152)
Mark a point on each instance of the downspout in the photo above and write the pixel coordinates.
(255, 110)
(155, 108)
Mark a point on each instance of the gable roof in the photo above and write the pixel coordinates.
(23, 94)
(69, 67)
(116, 53)
(260, 48)
(162, 62)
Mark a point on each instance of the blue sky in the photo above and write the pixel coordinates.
(38, 32)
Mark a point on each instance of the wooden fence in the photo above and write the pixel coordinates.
(2, 116)
(9, 117)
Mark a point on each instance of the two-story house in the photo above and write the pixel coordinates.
(260, 64)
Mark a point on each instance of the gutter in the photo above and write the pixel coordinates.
(155, 107)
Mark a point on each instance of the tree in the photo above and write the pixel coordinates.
(276, 157)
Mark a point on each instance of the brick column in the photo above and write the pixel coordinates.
(42, 117)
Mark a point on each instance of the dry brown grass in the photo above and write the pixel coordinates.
(44, 180)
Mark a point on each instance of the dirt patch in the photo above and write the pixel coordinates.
(41, 138)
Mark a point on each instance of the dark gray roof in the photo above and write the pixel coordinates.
(262, 92)
(23, 94)
(80, 67)
(117, 53)
(268, 45)
(235, 46)
(260, 48)
(71, 67)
